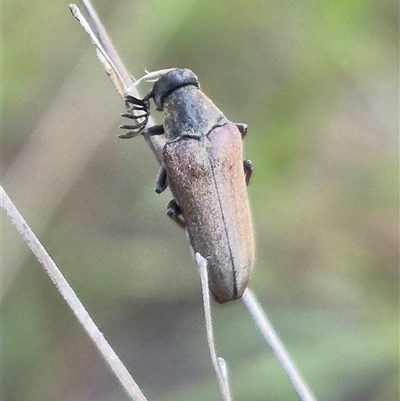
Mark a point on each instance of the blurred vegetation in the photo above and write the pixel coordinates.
(317, 82)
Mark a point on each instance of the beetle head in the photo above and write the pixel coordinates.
(171, 81)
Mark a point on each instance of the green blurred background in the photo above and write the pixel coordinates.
(317, 82)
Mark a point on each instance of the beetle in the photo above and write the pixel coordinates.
(202, 164)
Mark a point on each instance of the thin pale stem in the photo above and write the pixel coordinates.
(272, 338)
(113, 65)
(72, 300)
(104, 56)
(218, 362)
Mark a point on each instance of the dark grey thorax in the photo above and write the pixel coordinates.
(188, 112)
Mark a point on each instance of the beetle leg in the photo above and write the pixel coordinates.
(154, 130)
(174, 212)
(248, 170)
(242, 129)
(161, 180)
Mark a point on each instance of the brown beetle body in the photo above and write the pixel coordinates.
(202, 163)
(212, 194)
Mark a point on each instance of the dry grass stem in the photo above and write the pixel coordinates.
(218, 362)
(112, 64)
(72, 300)
(272, 338)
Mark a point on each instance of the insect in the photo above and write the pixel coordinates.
(203, 166)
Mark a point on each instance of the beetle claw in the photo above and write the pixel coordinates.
(135, 105)
(248, 170)
(242, 129)
(133, 116)
(174, 212)
(134, 100)
(131, 127)
(129, 135)
(161, 180)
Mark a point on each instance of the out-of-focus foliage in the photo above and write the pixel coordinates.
(317, 82)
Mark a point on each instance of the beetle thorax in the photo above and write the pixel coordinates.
(188, 112)
(172, 81)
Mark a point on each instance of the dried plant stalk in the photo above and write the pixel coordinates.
(271, 337)
(112, 64)
(112, 359)
(219, 363)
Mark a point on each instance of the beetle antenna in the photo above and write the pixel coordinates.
(149, 77)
